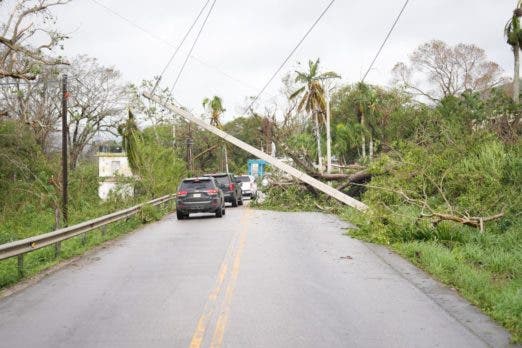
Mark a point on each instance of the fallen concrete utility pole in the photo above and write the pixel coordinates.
(260, 154)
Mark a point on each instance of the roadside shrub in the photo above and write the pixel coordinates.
(149, 213)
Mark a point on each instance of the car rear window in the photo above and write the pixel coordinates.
(222, 180)
(196, 184)
(244, 178)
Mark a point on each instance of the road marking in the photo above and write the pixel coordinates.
(197, 338)
(210, 305)
(221, 324)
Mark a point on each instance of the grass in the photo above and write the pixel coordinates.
(44, 258)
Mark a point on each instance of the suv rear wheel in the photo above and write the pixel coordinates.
(240, 201)
(219, 212)
(234, 201)
(180, 215)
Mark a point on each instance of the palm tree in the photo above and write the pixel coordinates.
(215, 108)
(513, 33)
(313, 100)
(365, 109)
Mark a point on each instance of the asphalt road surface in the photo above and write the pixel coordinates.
(250, 279)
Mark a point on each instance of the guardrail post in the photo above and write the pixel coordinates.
(57, 249)
(21, 265)
(84, 238)
(104, 230)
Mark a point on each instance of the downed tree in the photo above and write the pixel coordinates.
(362, 175)
(436, 216)
(473, 221)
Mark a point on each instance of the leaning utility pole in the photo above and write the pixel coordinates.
(340, 196)
(65, 133)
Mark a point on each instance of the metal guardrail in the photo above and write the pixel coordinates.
(23, 246)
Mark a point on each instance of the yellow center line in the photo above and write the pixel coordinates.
(208, 310)
(219, 332)
(197, 338)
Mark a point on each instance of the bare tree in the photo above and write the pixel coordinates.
(36, 105)
(437, 70)
(28, 21)
(96, 101)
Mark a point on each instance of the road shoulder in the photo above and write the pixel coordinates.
(447, 298)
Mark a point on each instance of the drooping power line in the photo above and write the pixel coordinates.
(385, 39)
(179, 46)
(290, 55)
(193, 45)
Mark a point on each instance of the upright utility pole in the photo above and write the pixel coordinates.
(328, 135)
(226, 158)
(65, 132)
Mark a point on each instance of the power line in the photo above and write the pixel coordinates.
(179, 46)
(167, 43)
(385, 39)
(290, 55)
(193, 45)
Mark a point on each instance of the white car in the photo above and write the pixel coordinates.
(248, 185)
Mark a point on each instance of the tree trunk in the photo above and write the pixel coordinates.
(363, 146)
(328, 137)
(318, 136)
(516, 76)
(370, 147)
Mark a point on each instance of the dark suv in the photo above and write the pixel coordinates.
(231, 189)
(199, 195)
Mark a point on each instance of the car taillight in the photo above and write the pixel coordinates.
(212, 192)
(182, 193)
(231, 187)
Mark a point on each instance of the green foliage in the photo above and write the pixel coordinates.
(313, 95)
(512, 30)
(132, 139)
(25, 174)
(247, 129)
(159, 170)
(371, 111)
(295, 198)
(215, 107)
(149, 213)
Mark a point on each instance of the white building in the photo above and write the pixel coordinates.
(113, 168)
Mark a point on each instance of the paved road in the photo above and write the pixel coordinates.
(250, 279)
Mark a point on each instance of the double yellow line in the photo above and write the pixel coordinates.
(227, 274)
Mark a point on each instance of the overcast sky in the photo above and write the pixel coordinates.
(244, 42)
